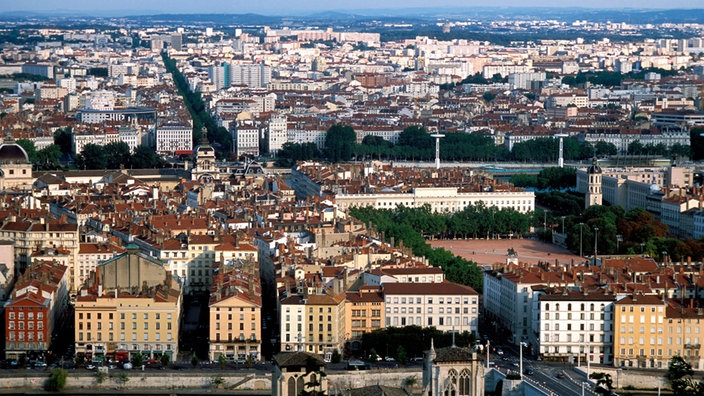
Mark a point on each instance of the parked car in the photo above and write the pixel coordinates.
(560, 375)
(389, 359)
(528, 371)
(499, 351)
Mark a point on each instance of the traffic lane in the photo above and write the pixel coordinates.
(560, 387)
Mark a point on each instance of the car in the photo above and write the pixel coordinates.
(389, 359)
(90, 366)
(127, 366)
(528, 371)
(560, 375)
(499, 351)
(515, 364)
(418, 359)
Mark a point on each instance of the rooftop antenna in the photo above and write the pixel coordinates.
(437, 137)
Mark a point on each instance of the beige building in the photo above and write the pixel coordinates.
(129, 305)
(236, 315)
(313, 323)
(364, 312)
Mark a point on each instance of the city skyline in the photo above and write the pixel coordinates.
(278, 7)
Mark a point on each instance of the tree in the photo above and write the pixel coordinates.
(145, 158)
(679, 373)
(29, 148)
(63, 138)
(339, 141)
(49, 156)
(93, 156)
(604, 383)
(165, 360)
(222, 360)
(194, 361)
(488, 96)
(604, 148)
(117, 154)
(336, 357)
(401, 354)
(57, 380)
(415, 136)
(137, 359)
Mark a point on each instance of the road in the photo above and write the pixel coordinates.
(545, 374)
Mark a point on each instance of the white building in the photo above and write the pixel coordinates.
(173, 137)
(293, 323)
(574, 323)
(276, 133)
(252, 75)
(440, 199)
(509, 296)
(445, 305)
(246, 138)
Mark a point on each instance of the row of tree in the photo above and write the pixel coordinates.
(413, 226)
(219, 137)
(416, 144)
(117, 154)
(612, 79)
(548, 178)
(405, 343)
(615, 231)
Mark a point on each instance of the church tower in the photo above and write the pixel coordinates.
(204, 160)
(594, 195)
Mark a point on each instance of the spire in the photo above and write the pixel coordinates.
(432, 354)
(204, 137)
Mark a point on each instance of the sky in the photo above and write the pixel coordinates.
(282, 7)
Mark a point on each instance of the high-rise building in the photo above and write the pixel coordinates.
(252, 75)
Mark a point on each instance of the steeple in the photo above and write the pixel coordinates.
(432, 355)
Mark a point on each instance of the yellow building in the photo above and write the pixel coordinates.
(325, 319)
(640, 333)
(129, 304)
(235, 315)
(364, 311)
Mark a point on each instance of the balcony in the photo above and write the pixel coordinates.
(692, 346)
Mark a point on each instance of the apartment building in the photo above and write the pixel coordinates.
(36, 308)
(444, 305)
(235, 316)
(313, 323)
(364, 311)
(641, 337)
(509, 298)
(129, 305)
(576, 326)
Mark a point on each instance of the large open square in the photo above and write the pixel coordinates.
(490, 251)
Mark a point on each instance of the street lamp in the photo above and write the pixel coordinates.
(563, 224)
(580, 239)
(596, 238)
(619, 239)
(520, 358)
(642, 245)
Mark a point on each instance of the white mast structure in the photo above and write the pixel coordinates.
(437, 137)
(561, 159)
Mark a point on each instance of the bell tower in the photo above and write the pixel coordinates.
(594, 194)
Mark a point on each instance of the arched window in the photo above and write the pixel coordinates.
(451, 386)
(569, 307)
(464, 383)
(582, 309)
(547, 307)
(300, 385)
(557, 307)
(292, 387)
(591, 307)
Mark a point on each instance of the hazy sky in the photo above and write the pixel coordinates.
(280, 7)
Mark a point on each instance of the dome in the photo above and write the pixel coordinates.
(13, 153)
(595, 168)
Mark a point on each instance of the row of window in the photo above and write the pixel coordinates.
(21, 315)
(99, 336)
(21, 325)
(31, 336)
(419, 300)
(441, 321)
(99, 325)
(677, 340)
(581, 307)
(99, 316)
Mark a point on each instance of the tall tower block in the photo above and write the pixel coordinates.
(594, 194)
